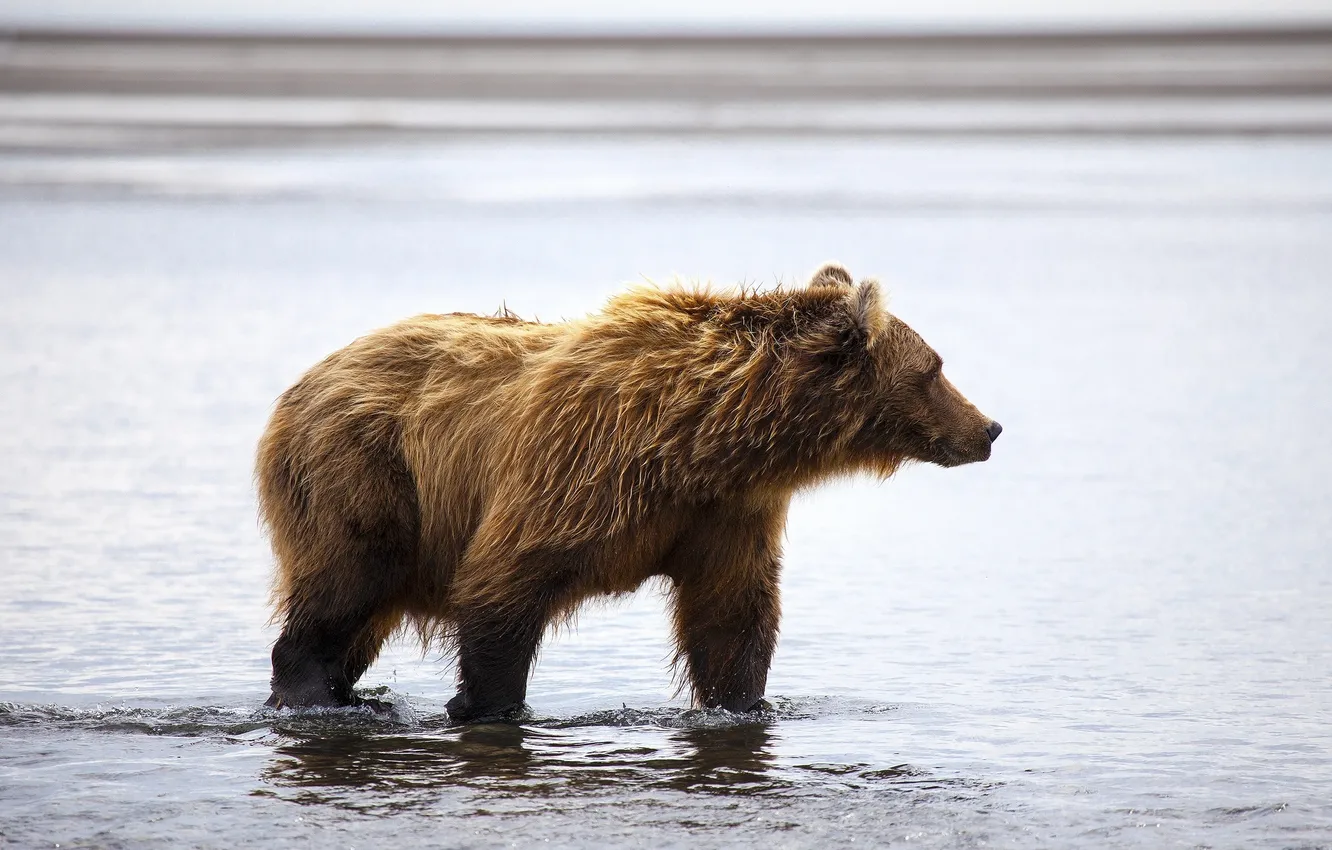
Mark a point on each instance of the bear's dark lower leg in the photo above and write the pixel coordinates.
(317, 662)
(495, 652)
(726, 572)
(309, 665)
(365, 649)
(727, 642)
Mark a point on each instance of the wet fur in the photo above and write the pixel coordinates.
(479, 477)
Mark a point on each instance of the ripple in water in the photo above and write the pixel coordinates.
(650, 766)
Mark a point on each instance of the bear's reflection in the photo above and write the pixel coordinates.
(725, 759)
(343, 764)
(364, 770)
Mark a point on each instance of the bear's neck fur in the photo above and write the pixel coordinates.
(691, 395)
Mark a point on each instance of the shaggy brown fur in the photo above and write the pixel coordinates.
(480, 477)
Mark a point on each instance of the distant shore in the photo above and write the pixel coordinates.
(88, 89)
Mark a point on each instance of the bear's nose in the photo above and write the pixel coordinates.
(994, 429)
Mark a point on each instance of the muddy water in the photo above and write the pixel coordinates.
(1115, 633)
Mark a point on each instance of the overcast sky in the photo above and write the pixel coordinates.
(620, 15)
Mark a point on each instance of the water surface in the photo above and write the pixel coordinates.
(1115, 633)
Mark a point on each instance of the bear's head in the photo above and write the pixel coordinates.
(909, 409)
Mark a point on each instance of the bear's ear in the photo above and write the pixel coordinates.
(868, 316)
(831, 275)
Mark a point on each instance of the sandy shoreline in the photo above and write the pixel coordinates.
(79, 90)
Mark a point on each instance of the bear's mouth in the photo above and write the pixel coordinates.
(949, 459)
(950, 455)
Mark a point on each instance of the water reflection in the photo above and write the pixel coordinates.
(359, 768)
(726, 760)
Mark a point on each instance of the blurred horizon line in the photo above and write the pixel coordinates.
(1312, 27)
(68, 89)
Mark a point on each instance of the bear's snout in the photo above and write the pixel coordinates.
(993, 430)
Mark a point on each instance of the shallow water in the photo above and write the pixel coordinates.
(1115, 633)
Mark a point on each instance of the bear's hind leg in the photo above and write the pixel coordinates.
(332, 632)
(501, 617)
(347, 537)
(313, 663)
(496, 647)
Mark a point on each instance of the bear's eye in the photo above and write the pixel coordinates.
(930, 376)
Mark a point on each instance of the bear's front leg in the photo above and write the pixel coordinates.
(728, 606)
(727, 641)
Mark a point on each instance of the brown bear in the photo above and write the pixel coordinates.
(479, 477)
